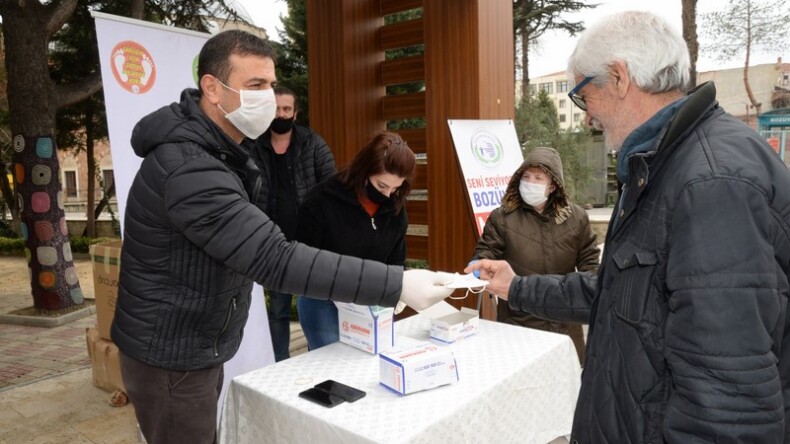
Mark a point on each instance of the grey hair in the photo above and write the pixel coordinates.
(653, 50)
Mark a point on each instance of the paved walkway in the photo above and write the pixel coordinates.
(46, 389)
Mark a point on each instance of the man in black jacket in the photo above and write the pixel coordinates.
(292, 159)
(688, 313)
(194, 241)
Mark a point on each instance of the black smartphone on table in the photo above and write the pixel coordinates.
(349, 394)
(321, 397)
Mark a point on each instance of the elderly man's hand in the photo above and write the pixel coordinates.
(423, 288)
(499, 275)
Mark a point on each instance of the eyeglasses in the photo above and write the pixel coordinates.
(577, 99)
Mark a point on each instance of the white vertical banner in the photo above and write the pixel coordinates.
(488, 153)
(145, 66)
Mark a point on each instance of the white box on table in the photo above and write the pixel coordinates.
(417, 368)
(371, 329)
(451, 327)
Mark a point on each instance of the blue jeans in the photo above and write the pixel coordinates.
(319, 321)
(280, 323)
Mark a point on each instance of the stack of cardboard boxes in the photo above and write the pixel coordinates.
(106, 259)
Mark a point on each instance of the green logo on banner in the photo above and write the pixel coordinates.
(487, 148)
(194, 70)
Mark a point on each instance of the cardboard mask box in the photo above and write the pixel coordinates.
(105, 362)
(448, 324)
(371, 329)
(106, 260)
(455, 326)
(417, 368)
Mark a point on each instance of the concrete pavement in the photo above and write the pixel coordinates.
(46, 389)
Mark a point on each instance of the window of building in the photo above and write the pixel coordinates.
(577, 117)
(562, 86)
(562, 103)
(546, 86)
(70, 183)
(562, 118)
(532, 89)
(108, 176)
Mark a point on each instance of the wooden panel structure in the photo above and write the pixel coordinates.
(344, 59)
(415, 137)
(403, 70)
(393, 6)
(418, 211)
(467, 68)
(416, 246)
(401, 34)
(403, 106)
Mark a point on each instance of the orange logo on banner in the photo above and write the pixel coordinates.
(133, 67)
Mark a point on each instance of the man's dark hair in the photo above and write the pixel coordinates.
(285, 91)
(215, 54)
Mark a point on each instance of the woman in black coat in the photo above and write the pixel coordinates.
(359, 212)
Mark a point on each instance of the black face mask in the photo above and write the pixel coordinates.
(375, 195)
(281, 125)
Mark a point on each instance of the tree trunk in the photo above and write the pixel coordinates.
(524, 60)
(689, 15)
(755, 104)
(32, 102)
(89, 145)
(104, 202)
(10, 202)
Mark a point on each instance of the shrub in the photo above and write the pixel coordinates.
(79, 244)
(12, 246)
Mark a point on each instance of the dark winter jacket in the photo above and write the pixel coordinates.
(332, 218)
(313, 163)
(557, 241)
(194, 242)
(688, 312)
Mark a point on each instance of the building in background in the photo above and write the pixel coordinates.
(767, 82)
(770, 85)
(557, 87)
(764, 80)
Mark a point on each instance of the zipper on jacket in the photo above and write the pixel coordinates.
(224, 326)
(373, 223)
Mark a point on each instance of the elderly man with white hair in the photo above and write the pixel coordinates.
(688, 311)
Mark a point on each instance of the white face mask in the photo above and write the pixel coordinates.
(256, 112)
(534, 194)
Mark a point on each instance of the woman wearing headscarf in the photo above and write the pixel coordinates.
(537, 230)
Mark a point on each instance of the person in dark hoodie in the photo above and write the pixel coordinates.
(194, 241)
(689, 331)
(292, 159)
(537, 230)
(360, 212)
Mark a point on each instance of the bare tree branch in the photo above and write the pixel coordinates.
(74, 92)
(58, 13)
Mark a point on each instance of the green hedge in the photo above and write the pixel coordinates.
(79, 244)
(14, 246)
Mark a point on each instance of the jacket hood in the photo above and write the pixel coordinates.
(549, 160)
(177, 123)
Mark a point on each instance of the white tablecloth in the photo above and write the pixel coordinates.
(515, 385)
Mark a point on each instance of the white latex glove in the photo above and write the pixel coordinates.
(423, 288)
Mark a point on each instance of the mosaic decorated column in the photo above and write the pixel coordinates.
(53, 279)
